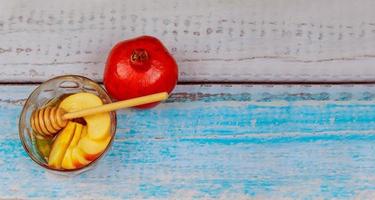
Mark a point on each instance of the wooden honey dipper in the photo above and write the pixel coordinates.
(49, 120)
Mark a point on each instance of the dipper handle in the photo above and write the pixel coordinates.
(117, 105)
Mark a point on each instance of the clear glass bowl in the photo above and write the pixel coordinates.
(50, 90)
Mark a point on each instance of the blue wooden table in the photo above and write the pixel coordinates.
(224, 141)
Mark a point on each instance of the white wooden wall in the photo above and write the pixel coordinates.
(212, 40)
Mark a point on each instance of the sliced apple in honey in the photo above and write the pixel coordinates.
(98, 125)
(77, 156)
(67, 162)
(60, 145)
(90, 140)
(92, 149)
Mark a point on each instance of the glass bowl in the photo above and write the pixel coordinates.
(49, 91)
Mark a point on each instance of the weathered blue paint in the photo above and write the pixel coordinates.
(230, 142)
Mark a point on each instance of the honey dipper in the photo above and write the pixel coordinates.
(49, 120)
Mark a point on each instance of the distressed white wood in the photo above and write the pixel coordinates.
(237, 40)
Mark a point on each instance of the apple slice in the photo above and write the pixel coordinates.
(67, 162)
(93, 148)
(84, 132)
(78, 158)
(60, 145)
(98, 125)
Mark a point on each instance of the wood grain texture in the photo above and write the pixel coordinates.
(216, 142)
(237, 40)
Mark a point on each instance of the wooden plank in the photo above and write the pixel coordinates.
(217, 141)
(239, 40)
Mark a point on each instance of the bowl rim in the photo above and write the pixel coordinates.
(64, 171)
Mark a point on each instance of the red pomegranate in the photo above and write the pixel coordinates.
(138, 67)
